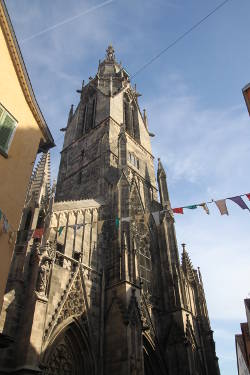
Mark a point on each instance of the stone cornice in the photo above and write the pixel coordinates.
(22, 75)
(78, 204)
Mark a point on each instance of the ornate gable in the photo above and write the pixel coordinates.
(72, 304)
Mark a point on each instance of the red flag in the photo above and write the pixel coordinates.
(248, 196)
(38, 233)
(178, 210)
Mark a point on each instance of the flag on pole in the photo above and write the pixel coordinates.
(193, 207)
(248, 196)
(221, 204)
(178, 210)
(238, 200)
(205, 207)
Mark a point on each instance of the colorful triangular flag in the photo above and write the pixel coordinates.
(205, 207)
(248, 196)
(238, 200)
(117, 222)
(221, 204)
(193, 207)
(178, 210)
(38, 233)
(60, 230)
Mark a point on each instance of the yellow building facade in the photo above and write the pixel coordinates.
(23, 133)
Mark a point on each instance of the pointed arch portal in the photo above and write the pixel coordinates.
(69, 353)
(152, 365)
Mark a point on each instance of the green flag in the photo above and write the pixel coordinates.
(117, 222)
(193, 207)
(0, 214)
(60, 231)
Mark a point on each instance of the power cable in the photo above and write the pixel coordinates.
(180, 38)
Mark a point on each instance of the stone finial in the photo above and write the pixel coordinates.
(110, 53)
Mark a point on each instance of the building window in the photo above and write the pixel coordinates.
(8, 125)
(133, 160)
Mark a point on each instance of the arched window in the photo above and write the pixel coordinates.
(130, 118)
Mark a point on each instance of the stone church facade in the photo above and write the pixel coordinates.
(103, 290)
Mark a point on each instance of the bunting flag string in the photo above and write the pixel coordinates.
(221, 205)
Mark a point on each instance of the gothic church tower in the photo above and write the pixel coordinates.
(104, 290)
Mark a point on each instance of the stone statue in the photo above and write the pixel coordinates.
(43, 277)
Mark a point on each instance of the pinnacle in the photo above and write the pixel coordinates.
(186, 262)
(41, 176)
(160, 167)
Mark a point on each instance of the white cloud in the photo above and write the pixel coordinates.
(206, 155)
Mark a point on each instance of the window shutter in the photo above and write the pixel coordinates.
(6, 129)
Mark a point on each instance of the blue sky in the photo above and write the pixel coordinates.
(195, 107)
